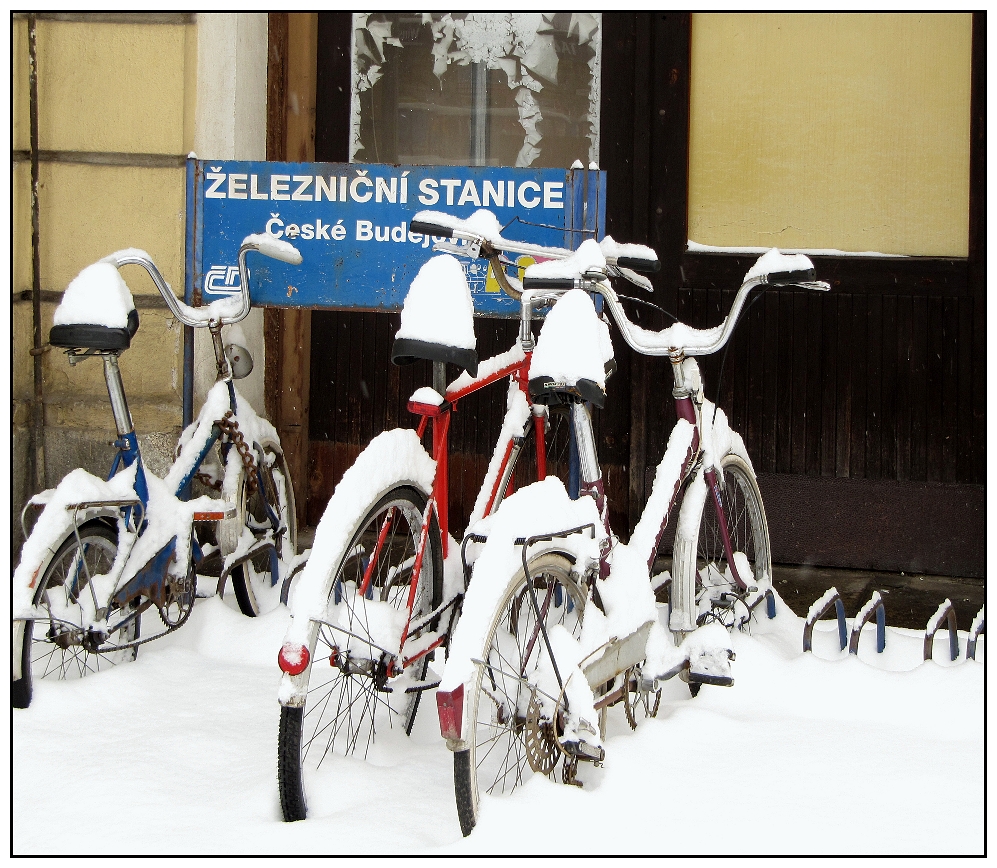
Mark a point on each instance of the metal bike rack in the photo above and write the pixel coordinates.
(946, 611)
(285, 588)
(875, 605)
(818, 610)
(974, 633)
(259, 548)
(769, 599)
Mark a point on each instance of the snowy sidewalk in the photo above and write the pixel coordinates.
(817, 753)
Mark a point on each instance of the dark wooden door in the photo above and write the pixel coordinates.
(863, 410)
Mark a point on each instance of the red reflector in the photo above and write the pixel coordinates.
(334, 656)
(212, 516)
(451, 709)
(293, 659)
(421, 409)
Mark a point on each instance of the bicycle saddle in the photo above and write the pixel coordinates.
(438, 318)
(573, 354)
(97, 312)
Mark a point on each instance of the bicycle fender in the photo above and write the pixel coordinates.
(55, 524)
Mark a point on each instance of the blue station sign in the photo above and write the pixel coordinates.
(350, 221)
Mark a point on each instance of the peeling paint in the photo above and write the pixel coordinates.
(527, 47)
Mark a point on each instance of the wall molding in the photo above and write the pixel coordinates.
(174, 18)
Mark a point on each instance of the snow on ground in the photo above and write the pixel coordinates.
(807, 754)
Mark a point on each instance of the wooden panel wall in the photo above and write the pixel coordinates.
(876, 391)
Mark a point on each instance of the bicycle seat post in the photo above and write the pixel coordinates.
(116, 392)
(127, 442)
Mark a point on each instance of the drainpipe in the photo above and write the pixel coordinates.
(36, 453)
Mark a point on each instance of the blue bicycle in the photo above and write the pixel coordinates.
(104, 552)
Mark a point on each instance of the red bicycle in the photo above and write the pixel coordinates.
(384, 583)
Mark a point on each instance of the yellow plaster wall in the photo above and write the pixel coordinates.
(103, 88)
(111, 87)
(87, 212)
(846, 131)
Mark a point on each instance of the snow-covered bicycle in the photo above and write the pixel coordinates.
(560, 620)
(385, 580)
(103, 552)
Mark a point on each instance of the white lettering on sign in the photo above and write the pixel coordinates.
(279, 186)
(303, 182)
(393, 189)
(427, 192)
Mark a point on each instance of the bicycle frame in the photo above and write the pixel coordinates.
(684, 454)
(497, 482)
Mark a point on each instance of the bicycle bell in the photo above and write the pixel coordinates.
(239, 360)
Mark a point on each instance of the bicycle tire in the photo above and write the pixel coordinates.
(49, 645)
(489, 719)
(251, 581)
(748, 529)
(306, 730)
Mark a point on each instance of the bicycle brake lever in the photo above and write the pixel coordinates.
(633, 277)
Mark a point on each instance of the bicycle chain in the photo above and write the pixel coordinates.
(230, 430)
(169, 629)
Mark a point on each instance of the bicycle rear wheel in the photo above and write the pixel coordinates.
(509, 736)
(717, 594)
(61, 646)
(348, 695)
(272, 500)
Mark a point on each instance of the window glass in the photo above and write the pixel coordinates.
(480, 89)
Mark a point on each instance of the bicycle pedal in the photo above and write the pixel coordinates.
(581, 750)
(715, 680)
(712, 667)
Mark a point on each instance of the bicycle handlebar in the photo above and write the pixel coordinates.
(483, 236)
(223, 311)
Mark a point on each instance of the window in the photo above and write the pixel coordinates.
(480, 89)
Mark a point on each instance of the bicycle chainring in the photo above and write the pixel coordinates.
(542, 749)
(177, 599)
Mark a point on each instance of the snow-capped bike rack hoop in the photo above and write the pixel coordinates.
(769, 599)
(818, 610)
(285, 588)
(260, 547)
(874, 606)
(947, 612)
(978, 624)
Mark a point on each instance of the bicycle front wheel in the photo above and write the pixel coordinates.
(66, 645)
(511, 737)
(272, 502)
(348, 695)
(749, 538)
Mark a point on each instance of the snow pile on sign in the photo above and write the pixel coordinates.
(98, 295)
(438, 308)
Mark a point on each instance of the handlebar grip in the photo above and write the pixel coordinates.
(424, 228)
(275, 248)
(648, 266)
(548, 283)
(788, 278)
